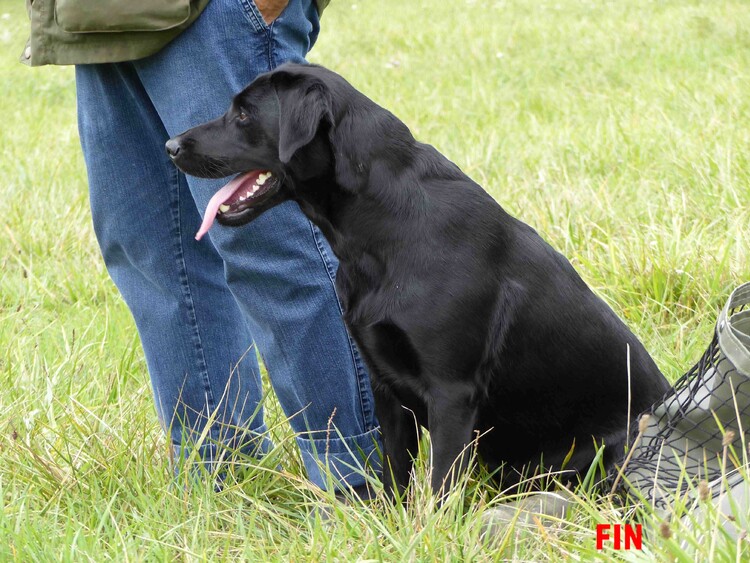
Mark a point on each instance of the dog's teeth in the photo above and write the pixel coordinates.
(243, 198)
(255, 189)
(249, 193)
(223, 208)
(263, 177)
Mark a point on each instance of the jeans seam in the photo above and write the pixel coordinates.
(259, 24)
(271, 44)
(188, 296)
(356, 360)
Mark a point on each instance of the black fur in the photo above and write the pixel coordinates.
(468, 320)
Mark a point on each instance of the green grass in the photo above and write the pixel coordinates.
(619, 130)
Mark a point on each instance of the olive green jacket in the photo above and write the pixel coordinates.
(105, 31)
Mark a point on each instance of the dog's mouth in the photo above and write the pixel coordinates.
(240, 194)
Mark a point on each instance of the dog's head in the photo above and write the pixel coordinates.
(274, 137)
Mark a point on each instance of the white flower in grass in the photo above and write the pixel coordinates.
(28, 419)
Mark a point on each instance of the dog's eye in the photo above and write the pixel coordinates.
(242, 116)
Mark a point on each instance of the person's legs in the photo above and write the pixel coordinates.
(279, 268)
(190, 326)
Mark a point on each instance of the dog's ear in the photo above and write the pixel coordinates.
(303, 105)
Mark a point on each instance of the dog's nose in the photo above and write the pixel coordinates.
(173, 147)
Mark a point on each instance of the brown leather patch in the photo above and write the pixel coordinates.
(271, 9)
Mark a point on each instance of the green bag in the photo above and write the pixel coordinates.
(104, 31)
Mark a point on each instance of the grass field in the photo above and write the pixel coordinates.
(619, 130)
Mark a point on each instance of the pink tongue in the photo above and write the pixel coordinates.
(219, 197)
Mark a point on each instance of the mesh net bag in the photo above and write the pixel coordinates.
(686, 433)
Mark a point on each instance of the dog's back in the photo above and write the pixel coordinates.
(559, 374)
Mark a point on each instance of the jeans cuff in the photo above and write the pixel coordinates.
(342, 462)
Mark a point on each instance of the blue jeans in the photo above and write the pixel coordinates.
(200, 306)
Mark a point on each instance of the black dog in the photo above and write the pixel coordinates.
(469, 322)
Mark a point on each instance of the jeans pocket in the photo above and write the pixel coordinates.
(255, 16)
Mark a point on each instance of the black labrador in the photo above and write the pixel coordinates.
(470, 323)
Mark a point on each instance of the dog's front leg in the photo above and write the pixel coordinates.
(400, 432)
(452, 418)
